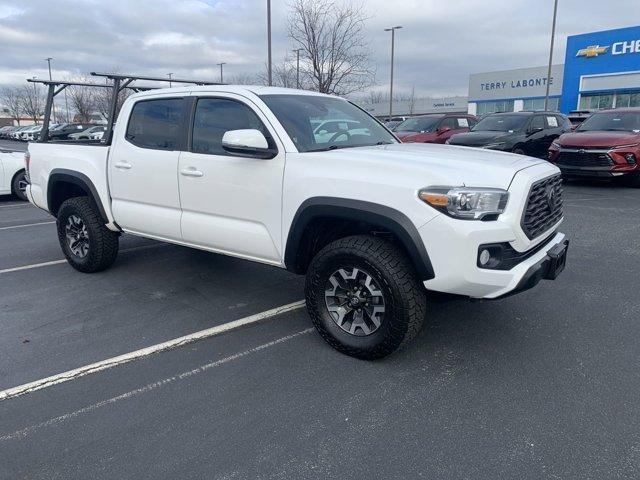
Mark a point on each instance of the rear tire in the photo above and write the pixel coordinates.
(518, 151)
(19, 185)
(86, 242)
(364, 296)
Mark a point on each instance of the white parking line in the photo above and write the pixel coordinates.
(145, 352)
(58, 262)
(14, 205)
(149, 387)
(26, 225)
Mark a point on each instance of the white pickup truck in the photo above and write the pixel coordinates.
(372, 222)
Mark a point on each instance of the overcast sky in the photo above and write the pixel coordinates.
(442, 41)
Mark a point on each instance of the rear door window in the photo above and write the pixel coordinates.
(156, 124)
(537, 122)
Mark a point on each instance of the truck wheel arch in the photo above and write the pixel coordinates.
(385, 218)
(73, 182)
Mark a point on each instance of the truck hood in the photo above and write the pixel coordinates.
(433, 164)
(478, 138)
(598, 139)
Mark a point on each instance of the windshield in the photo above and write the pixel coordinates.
(612, 121)
(317, 123)
(419, 124)
(501, 123)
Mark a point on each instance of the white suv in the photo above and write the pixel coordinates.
(372, 222)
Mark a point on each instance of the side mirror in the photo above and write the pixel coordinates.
(535, 130)
(441, 130)
(247, 143)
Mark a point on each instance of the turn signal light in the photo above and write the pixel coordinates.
(435, 199)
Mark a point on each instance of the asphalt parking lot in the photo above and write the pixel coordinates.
(540, 385)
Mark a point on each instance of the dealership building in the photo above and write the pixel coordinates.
(601, 70)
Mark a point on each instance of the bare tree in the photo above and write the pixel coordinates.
(334, 56)
(82, 100)
(243, 79)
(32, 100)
(283, 75)
(102, 100)
(11, 99)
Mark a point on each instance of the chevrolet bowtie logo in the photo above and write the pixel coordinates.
(592, 51)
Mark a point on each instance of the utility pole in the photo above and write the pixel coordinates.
(393, 38)
(53, 106)
(221, 64)
(170, 75)
(270, 78)
(553, 35)
(298, 50)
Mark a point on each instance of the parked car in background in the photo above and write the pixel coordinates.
(17, 133)
(606, 145)
(66, 129)
(332, 130)
(88, 133)
(525, 133)
(32, 134)
(391, 124)
(433, 128)
(12, 174)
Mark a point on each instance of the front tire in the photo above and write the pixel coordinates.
(364, 296)
(19, 185)
(86, 242)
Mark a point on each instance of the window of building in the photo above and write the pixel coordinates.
(214, 117)
(156, 124)
(533, 104)
(631, 99)
(596, 102)
(492, 107)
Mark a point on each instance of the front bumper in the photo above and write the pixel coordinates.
(453, 246)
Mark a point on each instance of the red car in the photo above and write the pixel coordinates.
(433, 128)
(607, 144)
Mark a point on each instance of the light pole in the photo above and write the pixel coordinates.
(298, 50)
(269, 77)
(393, 39)
(221, 64)
(170, 75)
(553, 35)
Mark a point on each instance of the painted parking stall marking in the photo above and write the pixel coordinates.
(145, 352)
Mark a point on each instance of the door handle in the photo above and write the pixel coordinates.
(191, 172)
(122, 165)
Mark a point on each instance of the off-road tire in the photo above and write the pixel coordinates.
(103, 243)
(16, 189)
(404, 295)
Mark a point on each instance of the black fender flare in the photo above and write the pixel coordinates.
(385, 217)
(60, 175)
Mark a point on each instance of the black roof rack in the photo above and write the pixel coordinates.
(119, 82)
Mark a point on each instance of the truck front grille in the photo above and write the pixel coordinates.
(544, 206)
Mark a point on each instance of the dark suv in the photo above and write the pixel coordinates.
(526, 133)
(62, 131)
(433, 128)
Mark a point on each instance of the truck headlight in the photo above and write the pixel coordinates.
(466, 203)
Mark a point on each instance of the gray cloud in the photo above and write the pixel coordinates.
(440, 45)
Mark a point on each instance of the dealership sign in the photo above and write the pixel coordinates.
(617, 48)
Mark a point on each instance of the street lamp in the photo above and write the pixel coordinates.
(269, 77)
(221, 64)
(393, 38)
(170, 75)
(553, 34)
(298, 50)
